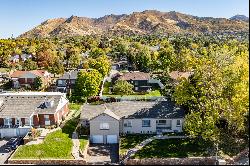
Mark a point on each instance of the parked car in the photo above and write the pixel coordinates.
(13, 143)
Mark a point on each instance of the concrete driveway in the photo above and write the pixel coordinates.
(4, 155)
(101, 154)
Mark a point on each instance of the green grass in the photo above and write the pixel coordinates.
(155, 93)
(4, 70)
(56, 145)
(175, 148)
(74, 106)
(130, 141)
(71, 124)
(83, 141)
(106, 87)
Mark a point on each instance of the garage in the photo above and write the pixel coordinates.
(97, 139)
(112, 139)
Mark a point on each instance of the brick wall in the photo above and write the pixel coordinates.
(21, 80)
(41, 120)
(52, 119)
(23, 121)
(13, 121)
(30, 80)
(36, 120)
(172, 161)
(1, 121)
(47, 161)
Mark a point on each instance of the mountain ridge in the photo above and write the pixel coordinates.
(145, 22)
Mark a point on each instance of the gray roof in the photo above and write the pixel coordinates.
(23, 105)
(73, 75)
(135, 109)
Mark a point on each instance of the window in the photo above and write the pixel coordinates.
(60, 82)
(27, 121)
(161, 121)
(128, 124)
(46, 120)
(136, 82)
(145, 123)
(178, 123)
(46, 117)
(136, 88)
(7, 121)
(104, 126)
(73, 81)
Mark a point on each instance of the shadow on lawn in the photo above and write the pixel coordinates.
(70, 126)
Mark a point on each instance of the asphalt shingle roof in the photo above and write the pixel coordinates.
(135, 76)
(73, 75)
(23, 105)
(135, 109)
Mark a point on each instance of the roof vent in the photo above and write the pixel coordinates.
(49, 104)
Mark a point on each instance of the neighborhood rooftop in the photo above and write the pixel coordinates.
(24, 104)
(135, 109)
(73, 75)
(135, 76)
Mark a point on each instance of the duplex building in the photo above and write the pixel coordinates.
(109, 120)
(26, 78)
(141, 81)
(66, 81)
(30, 109)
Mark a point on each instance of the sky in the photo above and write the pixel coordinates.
(19, 16)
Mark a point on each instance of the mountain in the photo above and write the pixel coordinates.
(240, 18)
(148, 21)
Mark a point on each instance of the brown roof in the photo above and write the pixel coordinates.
(18, 73)
(175, 75)
(135, 76)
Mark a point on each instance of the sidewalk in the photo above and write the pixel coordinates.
(76, 146)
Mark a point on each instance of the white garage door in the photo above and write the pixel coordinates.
(111, 139)
(97, 139)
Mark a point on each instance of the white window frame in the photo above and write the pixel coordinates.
(128, 123)
(178, 125)
(104, 126)
(46, 119)
(146, 120)
(7, 121)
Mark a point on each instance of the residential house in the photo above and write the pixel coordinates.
(141, 81)
(176, 76)
(27, 78)
(22, 57)
(22, 110)
(66, 81)
(109, 120)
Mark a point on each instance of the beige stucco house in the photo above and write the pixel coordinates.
(107, 121)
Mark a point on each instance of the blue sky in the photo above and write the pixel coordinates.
(18, 16)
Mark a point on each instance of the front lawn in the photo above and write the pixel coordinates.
(175, 148)
(56, 145)
(155, 93)
(74, 106)
(83, 141)
(131, 140)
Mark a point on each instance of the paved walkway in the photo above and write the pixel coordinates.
(76, 146)
(42, 136)
(132, 151)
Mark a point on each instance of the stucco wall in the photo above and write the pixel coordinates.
(103, 118)
(137, 126)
